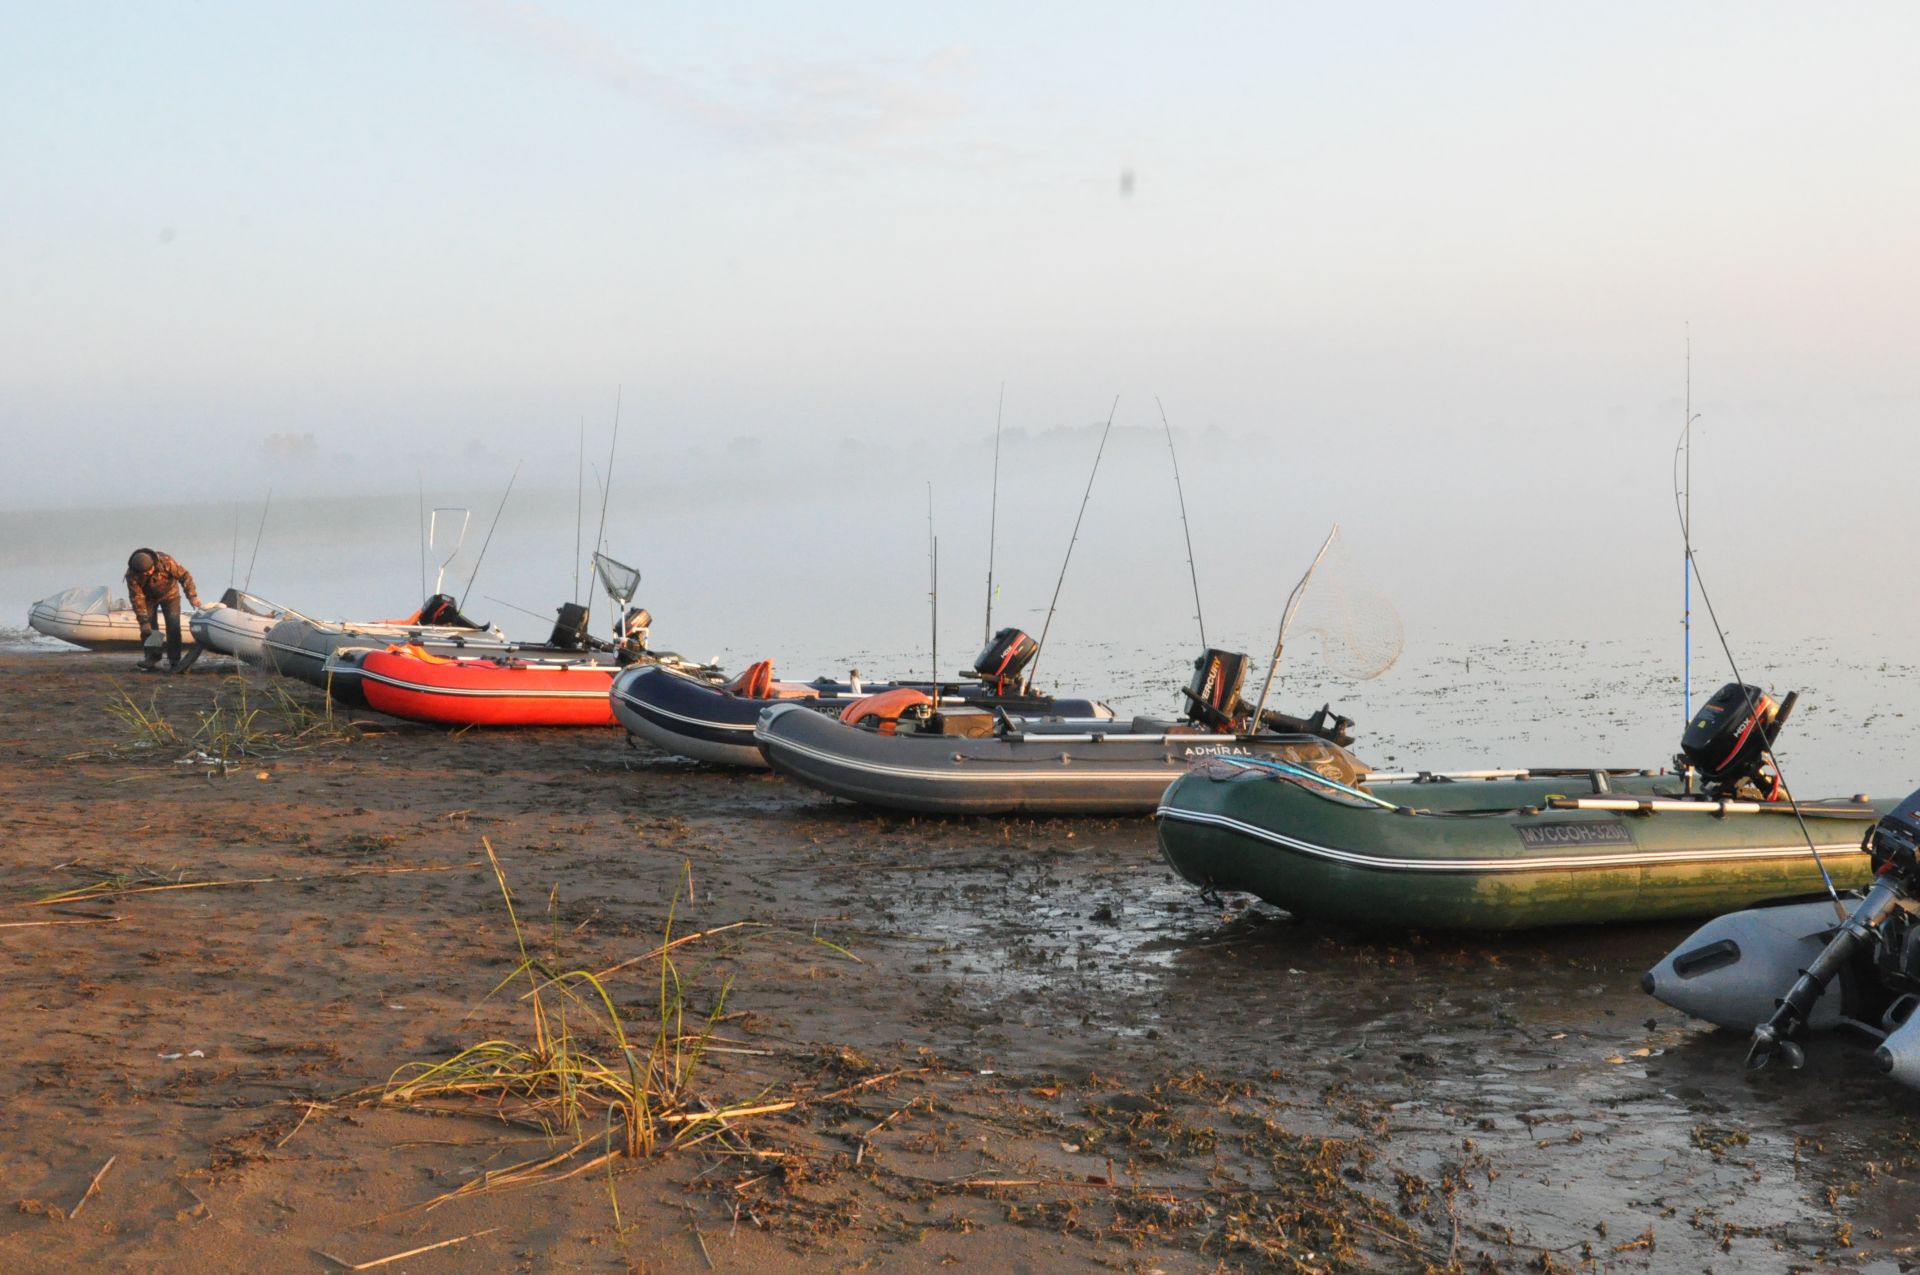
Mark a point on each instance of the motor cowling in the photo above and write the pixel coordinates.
(1003, 663)
(1728, 738)
(444, 610)
(569, 627)
(1213, 696)
(1894, 844)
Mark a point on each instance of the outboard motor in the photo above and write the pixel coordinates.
(444, 610)
(634, 630)
(570, 628)
(1729, 738)
(1882, 922)
(1213, 696)
(1003, 665)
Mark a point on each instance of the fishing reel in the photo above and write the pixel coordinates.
(1729, 742)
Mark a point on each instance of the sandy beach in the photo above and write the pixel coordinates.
(995, 1045)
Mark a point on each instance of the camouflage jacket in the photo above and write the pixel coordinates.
(159, 586)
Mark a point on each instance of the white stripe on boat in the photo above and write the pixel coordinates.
(1390, 863)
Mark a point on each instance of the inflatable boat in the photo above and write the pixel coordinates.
(900, 751)
(1519, 848)
(298, 647)
(489, 690)
(698, 718)
(344, 672)
(1847, 962)
(93, 618)
(238, 624)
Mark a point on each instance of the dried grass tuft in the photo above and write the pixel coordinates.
(611, 1088)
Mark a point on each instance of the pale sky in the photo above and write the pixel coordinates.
(1432, 263)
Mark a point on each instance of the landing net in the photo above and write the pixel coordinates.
(1342, 622)
(620, 580)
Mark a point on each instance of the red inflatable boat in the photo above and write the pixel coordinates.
(405, 681)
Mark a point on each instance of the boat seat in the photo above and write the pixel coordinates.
(791, 690)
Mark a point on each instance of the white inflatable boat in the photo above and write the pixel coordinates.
(93, 618)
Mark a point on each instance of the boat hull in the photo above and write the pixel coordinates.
(1062, 767)
(1508, 864)
(94, 619)
(1732, 971)
(238, 626)
(473, 691)
(298, 647)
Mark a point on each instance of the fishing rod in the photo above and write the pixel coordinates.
(256, 540)
(421, 478)
(1074, 538)
(1683, 496)
(993, 514)
(1286, 619)
(474, 574)
(514, 606)
(579, 498)
(933, 592)
(1752, 709)
(606, 488)
(1192, 571)
(233, 560)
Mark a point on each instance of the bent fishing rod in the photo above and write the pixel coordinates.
(1073, 539)
(1193, 571)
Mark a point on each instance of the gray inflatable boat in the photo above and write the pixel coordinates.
(901, 753)
(978, 762)
(1847, 964)
(298, 647)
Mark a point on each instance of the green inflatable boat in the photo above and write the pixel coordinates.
(1515, 850)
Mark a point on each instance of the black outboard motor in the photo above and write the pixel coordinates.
(1213, 696)
(570, 628)
(1003, 664)
(444, 610)
(1893, 845)
(1729, 737)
